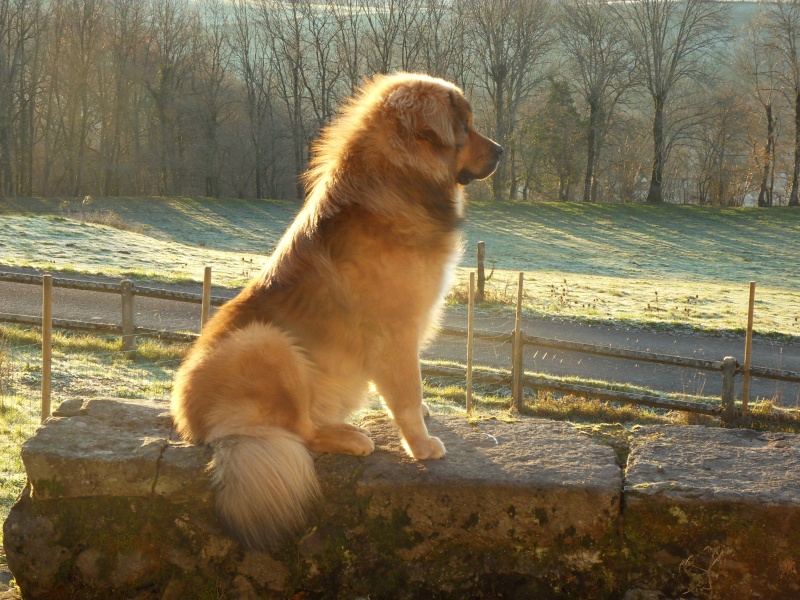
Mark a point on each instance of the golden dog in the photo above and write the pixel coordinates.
(350, 294)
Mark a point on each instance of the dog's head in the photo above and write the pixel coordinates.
(432, 128)
(405, 125)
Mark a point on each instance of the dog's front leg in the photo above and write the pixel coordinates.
(399, 382)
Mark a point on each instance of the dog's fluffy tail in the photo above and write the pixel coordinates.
(264, 483)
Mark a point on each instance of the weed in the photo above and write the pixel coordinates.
(5, 370)
(703, 570)
(560, 296)
(247, 267)
(654, 307)
(691, 305)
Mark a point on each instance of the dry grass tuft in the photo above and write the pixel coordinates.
(581, 409)
(85, 214)
(110, 219)
(5, 370)
(767, 416)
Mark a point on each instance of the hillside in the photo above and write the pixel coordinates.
(644, 264)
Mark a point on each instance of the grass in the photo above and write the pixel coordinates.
(657, 266)
(667, 266)
(83, 366)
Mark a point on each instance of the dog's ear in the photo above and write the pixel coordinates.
(423, 113)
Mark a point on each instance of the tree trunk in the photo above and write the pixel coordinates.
(6, 170)
(794, 197)
(299, 138)
(657, 176)
(259, 191)
(764, 194)
(84, 127)
(591, 144)
(500, 173)
(23, 142)
(163, 153)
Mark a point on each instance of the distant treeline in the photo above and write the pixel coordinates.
(692, 101)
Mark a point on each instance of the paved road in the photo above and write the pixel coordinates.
(161, 314)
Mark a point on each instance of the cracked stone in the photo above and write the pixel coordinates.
(107, 448)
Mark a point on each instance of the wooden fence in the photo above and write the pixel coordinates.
(728, 367)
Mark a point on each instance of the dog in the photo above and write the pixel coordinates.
(348, 298)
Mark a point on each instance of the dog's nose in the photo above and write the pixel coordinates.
(498, 150)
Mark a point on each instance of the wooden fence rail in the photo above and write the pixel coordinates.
(114, 288)
(517, 379)
(95, 327)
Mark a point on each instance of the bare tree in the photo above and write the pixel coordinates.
(323, 70)
(387, 23)
(624, 160)
(757, 63)
(783, 29)
(21, 25)
(671, 41)
(251, 52)
(601, 64)
(284, 25)
(443, 49)
(722, 165)
(348, 42)
(125, 39)
(83, 32)
(170, 35)
(513, 39)
(211, 87)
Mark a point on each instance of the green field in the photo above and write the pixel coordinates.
(661, 266)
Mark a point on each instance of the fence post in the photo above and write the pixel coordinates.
(748, 347)
(128, 339)
(517, 365)
(47, 343)
(481, 272)
(205, 310)
(470, 338)
(728, 389)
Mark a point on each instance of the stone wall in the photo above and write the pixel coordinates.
(118, 507)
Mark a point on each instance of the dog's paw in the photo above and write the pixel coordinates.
(354, 443)
(426, 412)
(342, 439)
(363, 446)
(360, 430)
(425, 448)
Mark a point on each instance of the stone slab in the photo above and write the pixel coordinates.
(714, 510)
(709, 464)
(500, 482)
(530, 506)
(102, 447)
